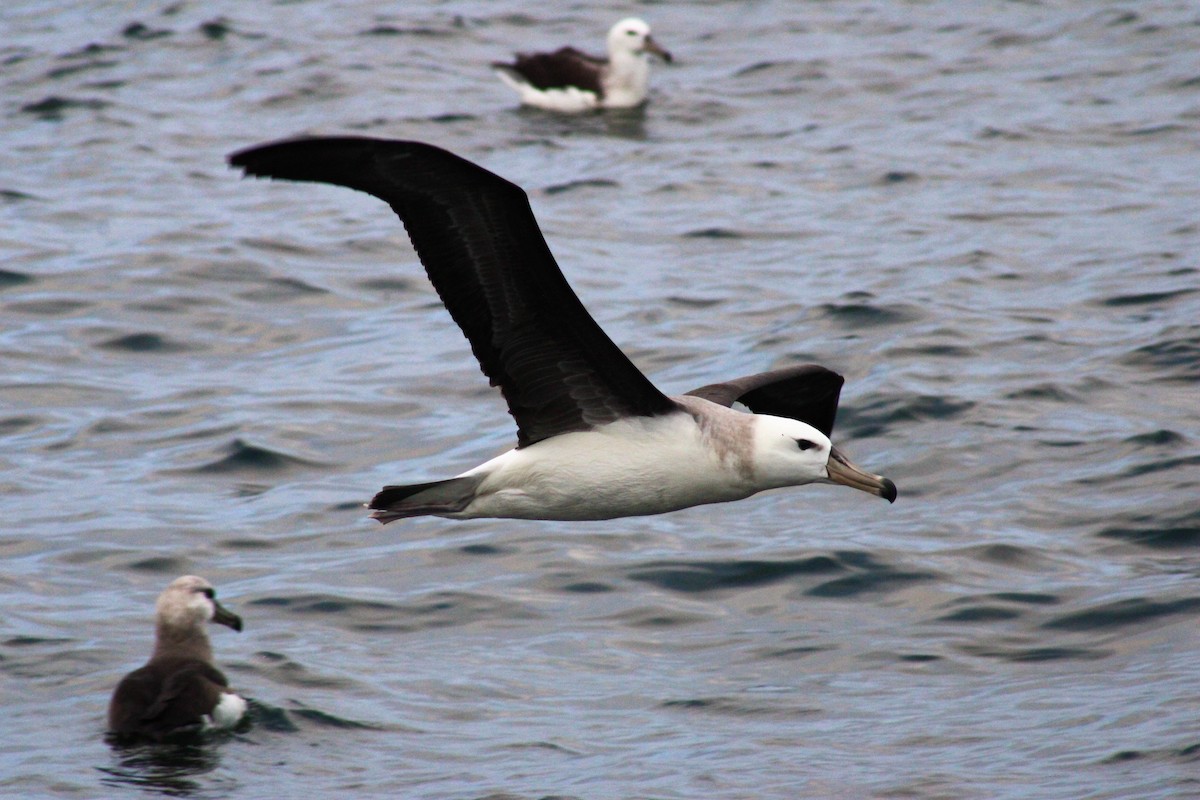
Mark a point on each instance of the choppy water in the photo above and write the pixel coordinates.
(983, 214)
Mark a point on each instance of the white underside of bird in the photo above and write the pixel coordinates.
(640, 465)
(568, 99)
(595, 439)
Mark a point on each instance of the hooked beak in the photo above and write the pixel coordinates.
(652, 46)
(224, 616)
(842, 470)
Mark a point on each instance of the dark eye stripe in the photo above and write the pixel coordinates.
(209, 593)
(805, 444)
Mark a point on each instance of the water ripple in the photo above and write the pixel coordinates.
(1157, 530)
(708, 576)
(241, 457)
(1120, 613)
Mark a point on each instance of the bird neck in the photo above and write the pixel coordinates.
(627, 78)
(625, 63)
(190, 642)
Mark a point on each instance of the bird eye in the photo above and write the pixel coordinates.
(805, 444)
(631, 33)
(209, 593)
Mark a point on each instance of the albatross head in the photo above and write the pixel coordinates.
(791, 453)
(189, 602)
(632, 35)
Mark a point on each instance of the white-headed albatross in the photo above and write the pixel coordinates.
(595, 438)
(179, 690)
(570, 80)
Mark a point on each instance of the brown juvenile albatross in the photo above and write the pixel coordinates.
(179, 689)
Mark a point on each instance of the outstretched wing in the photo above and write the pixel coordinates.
(807, 392)
(482, 249)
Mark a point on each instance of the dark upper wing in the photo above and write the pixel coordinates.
(808, 393)
(191, 690)
(564, 67)
(165, 696)
(482, 248)
(134, 694)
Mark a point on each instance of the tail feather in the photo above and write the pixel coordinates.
(418, 499)
(512, 78)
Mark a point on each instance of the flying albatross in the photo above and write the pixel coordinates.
(595, 438)
(572, 81)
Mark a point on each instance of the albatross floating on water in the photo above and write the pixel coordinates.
(179, 690)
(595, 438)
(569, 80)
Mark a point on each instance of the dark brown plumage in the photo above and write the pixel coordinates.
(179, 690)
(807, 392)
(167, 696)
(557, 369)
(564, 67)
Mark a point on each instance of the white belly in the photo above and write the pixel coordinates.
(628, 468)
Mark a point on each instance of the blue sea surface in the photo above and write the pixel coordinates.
(984, 215)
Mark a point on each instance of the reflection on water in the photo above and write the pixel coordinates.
(170, 769)
(621, 123)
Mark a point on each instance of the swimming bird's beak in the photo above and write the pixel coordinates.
(652, 46)
(842, 470)
(224, 616)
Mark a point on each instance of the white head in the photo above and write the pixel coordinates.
(188, 603)
(791, 453)
(632, 36)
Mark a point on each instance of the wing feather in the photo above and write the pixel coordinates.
(560, 69)
(807, 392)
(476, 235)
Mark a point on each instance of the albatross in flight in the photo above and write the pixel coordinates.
(570, 80)
(595, 438)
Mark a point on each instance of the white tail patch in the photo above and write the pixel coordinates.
(228, 712)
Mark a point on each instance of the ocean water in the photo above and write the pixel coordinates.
(984, 215)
